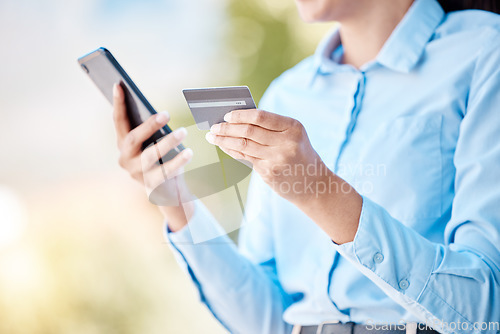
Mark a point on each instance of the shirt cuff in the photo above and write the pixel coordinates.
(211, 263)
(216, 259)
(200, 228)
(392, 255)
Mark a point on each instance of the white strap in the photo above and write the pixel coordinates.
(296, 329)
(411, 328)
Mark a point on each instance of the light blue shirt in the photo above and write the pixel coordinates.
(417, 133)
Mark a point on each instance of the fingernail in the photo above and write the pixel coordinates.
(115, 90)
(215, 128)
(210, 137)
(227, 117)
(188, 153)
(162, 117)
(180, 133)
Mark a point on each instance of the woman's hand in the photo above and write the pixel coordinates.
(280, 151)
(143, 166)
(277, 146)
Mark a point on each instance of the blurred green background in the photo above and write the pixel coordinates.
(81, 248)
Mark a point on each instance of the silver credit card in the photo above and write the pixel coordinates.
(209, 105)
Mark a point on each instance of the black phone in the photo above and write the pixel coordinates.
(105, 71)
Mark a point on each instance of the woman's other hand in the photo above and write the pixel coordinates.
(143, 166)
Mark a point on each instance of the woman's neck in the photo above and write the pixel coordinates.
(363, 36)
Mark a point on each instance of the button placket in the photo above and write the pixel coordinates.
(357, 97)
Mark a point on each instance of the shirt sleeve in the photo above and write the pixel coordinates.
(454, 287)
(243, 294)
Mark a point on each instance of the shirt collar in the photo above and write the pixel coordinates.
(404, 47)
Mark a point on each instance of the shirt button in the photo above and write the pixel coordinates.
(404, 284)
(378, 257)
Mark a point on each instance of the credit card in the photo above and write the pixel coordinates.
(209, 105)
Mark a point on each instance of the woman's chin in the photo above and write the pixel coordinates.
(310, 14)
(309, 17)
